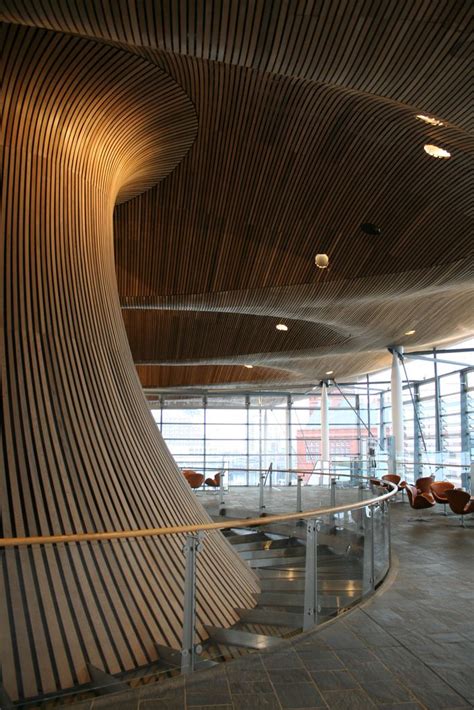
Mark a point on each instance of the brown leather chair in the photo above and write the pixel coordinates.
(194, 478)
(214, 482)
(460, 502)
(423, 485)
(392, 478)
(419, 500)
(438, 491)
(395, 478)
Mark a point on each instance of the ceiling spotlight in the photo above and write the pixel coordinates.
(249, 367)
(428, 119)
(410, 332)
(436, 152)
(281, 326)
(329, 372)
(321, 261)
(369, 228)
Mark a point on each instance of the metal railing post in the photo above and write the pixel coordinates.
(221, 493)
(389, 533)
(310, 616)
(372, 548)
(299, 503)
(270, 473)
(360, 498)
(191, 548)
(261, 502)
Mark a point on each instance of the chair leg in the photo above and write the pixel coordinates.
(462, 520)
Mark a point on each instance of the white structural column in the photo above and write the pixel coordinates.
(397, 410)
(324, 429)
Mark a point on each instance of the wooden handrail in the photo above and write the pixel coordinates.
(179, 529)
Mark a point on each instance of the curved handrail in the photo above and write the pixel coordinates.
(177, 529)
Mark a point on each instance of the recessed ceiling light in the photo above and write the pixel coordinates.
(371, 229)
(249, 367)
(428, 119)
(436, 152)
(410, 332)
(329, 372)
(321, 261)
(281, 326)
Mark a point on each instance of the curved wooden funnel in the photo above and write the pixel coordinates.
(86, 124)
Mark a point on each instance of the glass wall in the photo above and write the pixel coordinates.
(245, 433)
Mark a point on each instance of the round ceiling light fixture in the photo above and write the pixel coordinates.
(330, 372)
(436, 152)
(371, 229)
(249, 367)
(281, 326)
(321, 261)
(410, 332)
(429, 119)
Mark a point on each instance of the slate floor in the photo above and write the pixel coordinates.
(410, 646)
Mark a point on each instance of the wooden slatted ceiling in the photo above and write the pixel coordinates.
(236, 227)
(307, 129)
(84, 123)
(415, 52)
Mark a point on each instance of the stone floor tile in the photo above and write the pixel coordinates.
(298, 695)
(212, 690)
(348, 700)
(339, 638)
(258, 701)
(334, 680)
(386, 691)
(356, 657)
(439, 696)
(243, 687)
(400, 706)
(317, 661)
(289, 675)
(209, 697)
(282, 659)
(162, 704)
(370, 672)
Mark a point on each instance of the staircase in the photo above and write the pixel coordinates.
(278, 557)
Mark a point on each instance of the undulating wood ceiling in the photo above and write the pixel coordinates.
(307, 128)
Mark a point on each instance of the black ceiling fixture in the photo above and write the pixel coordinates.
(372, 229)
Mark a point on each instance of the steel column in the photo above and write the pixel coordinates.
(325, 451)
(288, 435)
(397, 407)
(437, 404)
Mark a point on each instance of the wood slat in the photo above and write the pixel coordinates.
(86, 124)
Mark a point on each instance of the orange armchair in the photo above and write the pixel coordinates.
(214, 482)
(392, 478)
(460, 502)
(438, 491)
(423, 485)
(419, 500)
(194, 478)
